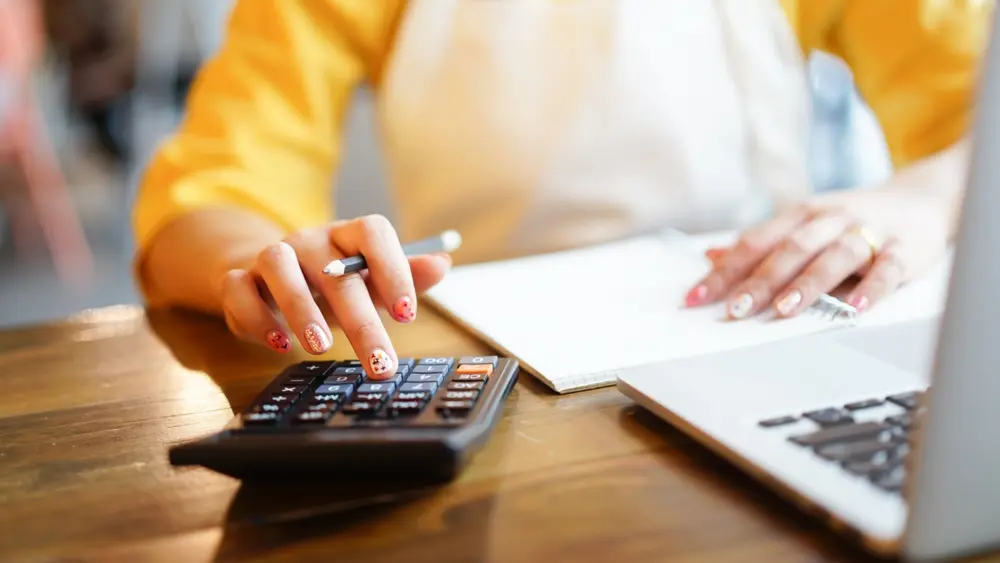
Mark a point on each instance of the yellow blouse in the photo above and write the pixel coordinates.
(264, 117)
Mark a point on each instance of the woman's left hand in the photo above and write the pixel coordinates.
(885, 236)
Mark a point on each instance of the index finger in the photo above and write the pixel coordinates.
(352, 305)
(750, 250)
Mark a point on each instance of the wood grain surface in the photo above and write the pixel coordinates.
(90, 405)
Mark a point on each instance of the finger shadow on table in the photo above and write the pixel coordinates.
(203, 343)
(742, 492)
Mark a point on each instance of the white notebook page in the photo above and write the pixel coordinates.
(573, 318)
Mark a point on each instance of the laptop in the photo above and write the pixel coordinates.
(891, 434)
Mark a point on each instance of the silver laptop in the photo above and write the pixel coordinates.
(892, 435)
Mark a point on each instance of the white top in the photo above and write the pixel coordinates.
(534, 125)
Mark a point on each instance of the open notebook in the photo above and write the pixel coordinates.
(575, 318)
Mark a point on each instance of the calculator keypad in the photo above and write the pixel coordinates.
(335, 394)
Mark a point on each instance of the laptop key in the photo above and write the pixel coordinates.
(902, 420)
(848, 451)
(880, 462)
(829, 417)
(908, 401)
(842, 433)
(866, 404)
(770, 422)
(892, 480)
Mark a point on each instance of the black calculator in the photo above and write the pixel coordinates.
(328, 418)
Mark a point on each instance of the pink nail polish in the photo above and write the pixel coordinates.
(404, 310)
(277, 340)
(696, 296)
(860, 303)
(316, 339)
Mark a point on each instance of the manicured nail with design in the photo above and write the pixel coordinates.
(316, 339)
(380, 362)
(278, 341)
(404, 310)
(696, 296)
(789, 303)
(741, 306)
(860, 303)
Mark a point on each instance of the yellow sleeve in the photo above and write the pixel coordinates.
(916, 63)
(263, 118)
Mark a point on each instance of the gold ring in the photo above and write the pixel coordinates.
(870, 239)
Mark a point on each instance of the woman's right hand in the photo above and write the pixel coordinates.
(274, 297)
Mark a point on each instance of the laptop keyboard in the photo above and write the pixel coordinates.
(863, 443)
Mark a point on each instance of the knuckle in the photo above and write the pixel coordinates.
(366, 329)
(794, 245)
(375, 225)
(852, 252)
(750, 242)
(233, 280)
(276, 254)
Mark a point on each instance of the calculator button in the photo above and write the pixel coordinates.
(407, 362)
(409, 387)
(314, 369)
(351, 363)
(403, 369)
(293, 390)
(485, 369)
(430, 368)
(470, 377)
(413, 396)
(488, 360)
(298, 379)
(267, 407)
(260, 418)
(360, 407)
(435, 361)
(320, 407)
(329, 398)
(381, 387)
(282, 399)
(425, 378)
(371, 397)
(461, 395)
(397, 408)
(349, 370)
(454, 408)
(311, 417)
(465, 385)
(349, 378)
(344, 388)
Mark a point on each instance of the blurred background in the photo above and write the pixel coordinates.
(89, 87)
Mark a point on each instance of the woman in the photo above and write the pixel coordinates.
(532, 126)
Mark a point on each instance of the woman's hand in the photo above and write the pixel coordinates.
(283, 279)
(887, 237)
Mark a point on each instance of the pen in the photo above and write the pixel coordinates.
(447, 241)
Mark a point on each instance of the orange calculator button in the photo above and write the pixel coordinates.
(485, 369)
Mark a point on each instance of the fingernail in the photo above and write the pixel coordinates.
(380, 362)
(790, 302)
(713, 253)
(404, 310)
(445, 260)
(741, 306)
(316, 339)
(860, 303)
(696, 296)
(277, 340)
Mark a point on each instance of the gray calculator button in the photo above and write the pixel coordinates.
(425, 378)
(465, 385)
(491, 360)
(461, 395)
(348, 370)
(409, 387)
(430, 368)
(434, 361)
(377, 387)
(342, 388)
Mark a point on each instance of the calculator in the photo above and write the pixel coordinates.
(324, 418)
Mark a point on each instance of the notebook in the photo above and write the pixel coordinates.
(574, 319)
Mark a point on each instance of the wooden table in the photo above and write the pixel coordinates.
(89, 406)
